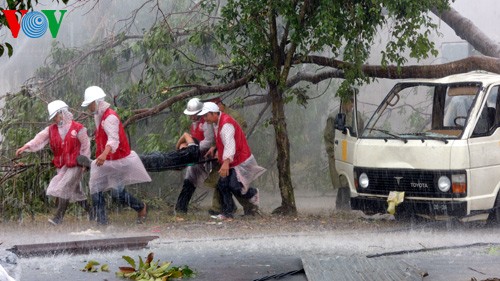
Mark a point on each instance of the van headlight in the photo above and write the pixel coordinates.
(444, 183)
(363, 180)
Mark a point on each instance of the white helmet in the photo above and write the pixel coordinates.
(54, 107)
(209, 107)
(93, 93)
(194, 106)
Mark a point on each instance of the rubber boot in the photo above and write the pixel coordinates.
(90, 211)
(61, 210)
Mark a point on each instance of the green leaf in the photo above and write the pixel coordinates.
(188, 272)
(89, 267)
(129, 260)
(163, 267)
(141, 263)
(105, 268)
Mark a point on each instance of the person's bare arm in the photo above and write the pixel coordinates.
(185, 138)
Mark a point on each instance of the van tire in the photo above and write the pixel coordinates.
(343, 200)
(494, 217)
(402, 216)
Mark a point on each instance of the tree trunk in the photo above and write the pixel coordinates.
(468, 31)
(283, 159)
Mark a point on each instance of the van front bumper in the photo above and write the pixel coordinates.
(372, 205)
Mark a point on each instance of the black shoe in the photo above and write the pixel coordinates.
(182, 212)
(54, 221)
(83, 161)
(254, 211)
(213, 213)
(105, 222)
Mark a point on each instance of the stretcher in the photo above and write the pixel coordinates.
(163, 161)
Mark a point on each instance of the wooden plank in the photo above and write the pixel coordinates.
(81, 246)
(319, 268)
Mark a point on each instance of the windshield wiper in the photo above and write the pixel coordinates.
(426, 136)
(389, 134)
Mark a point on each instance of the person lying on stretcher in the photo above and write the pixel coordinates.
(187, 152)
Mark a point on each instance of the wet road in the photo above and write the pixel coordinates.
(440, 253)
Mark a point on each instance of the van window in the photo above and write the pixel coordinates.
(423, 111)
(456, 110)
(488, 122)
(406, 111)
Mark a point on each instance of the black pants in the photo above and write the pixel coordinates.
(177, 159)
(121, 196)
(228, 186)
(187, 192)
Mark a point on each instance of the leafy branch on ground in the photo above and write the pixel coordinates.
(151, 270)
(91, 266)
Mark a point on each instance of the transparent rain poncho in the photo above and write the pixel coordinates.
(66, 183)
(197, 174)
(114, 174)
(248, 170)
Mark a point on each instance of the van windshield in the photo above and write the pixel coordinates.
(423, 111)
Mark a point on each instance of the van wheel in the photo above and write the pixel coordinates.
(343, 201)
(403, 216)
(494, 217)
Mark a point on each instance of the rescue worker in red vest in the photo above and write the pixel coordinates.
(238, 165)
(196, 174)
(116, 165)
(249, 209)
(67, 140)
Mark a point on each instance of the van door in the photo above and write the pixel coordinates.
(484, 153)
(348, 126)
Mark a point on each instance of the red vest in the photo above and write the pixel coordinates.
(197, 129)
(242, 149)
(101, 139)
(65, 152)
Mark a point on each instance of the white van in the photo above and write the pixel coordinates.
(438, 141)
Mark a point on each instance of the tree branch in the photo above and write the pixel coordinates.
(314, 78)
(108, 44)
(293, 47)
(415, 71)
(375, 71)
(195, 91)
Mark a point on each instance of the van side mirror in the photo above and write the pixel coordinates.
(340, 123)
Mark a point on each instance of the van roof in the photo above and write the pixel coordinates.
(473, 76)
